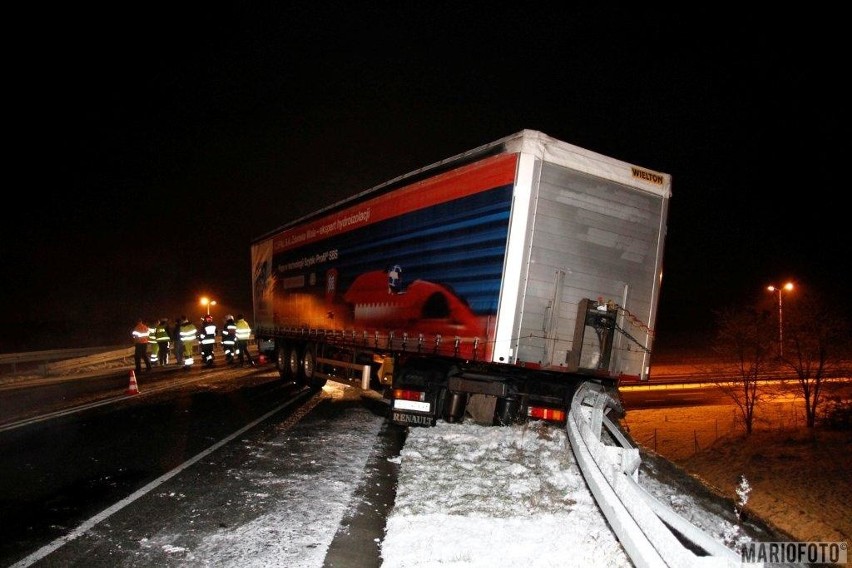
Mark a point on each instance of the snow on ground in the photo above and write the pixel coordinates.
(470, 495)
(473, 496)
(298, 532)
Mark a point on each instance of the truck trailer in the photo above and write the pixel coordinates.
(485, 287)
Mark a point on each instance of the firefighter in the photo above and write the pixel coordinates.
(163, 338)
(229, 338)
(243, 332)
(140, 342)
(207, 340)
(153, 346)
(188, 332)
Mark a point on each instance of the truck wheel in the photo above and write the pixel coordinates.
(309, 368)
(293, 364)
(281, 360)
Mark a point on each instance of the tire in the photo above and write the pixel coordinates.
(294, 365)
(309, 368)
(282, 358)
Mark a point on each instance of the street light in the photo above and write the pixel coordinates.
(788, 286)
(206, 302)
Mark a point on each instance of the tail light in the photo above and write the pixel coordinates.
(548, 414)
(402, 394)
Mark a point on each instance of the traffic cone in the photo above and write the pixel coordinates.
(134, 387)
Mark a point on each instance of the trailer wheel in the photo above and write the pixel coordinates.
(309, 368)
(282, 356)
(293, 364)
(287, 362)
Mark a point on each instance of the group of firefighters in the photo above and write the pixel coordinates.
(153, 344)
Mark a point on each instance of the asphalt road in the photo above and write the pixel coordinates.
(705, 394)
(56, 473)
(33, 398)
(672, 396)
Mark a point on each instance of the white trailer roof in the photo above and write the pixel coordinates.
(561, 153)
(549, 149)
(543, 147)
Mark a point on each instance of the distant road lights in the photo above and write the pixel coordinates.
(207, 302)
(788, 286)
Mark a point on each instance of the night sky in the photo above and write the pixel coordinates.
(149, 147)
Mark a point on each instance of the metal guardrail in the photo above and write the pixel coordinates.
(44, 360)
(643, 525)
(50, 354)
(63, 361)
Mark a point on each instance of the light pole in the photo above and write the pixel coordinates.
(788, 286)
(207, 302)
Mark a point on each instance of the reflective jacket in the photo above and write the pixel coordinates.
(229, 333)
(154, 351)
(140, 333)
(187, 337)
(207, 335)
(188, 332)
(162, 334)
(243, 330)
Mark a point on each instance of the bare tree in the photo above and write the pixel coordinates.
(816, 337)
(744, 341)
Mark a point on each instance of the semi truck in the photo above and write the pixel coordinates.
(485, 287)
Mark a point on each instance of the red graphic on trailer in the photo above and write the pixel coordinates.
(422, 306)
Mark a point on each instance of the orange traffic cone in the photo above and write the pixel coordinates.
(133, 388)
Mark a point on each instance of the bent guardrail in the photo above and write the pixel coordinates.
(610, 465)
